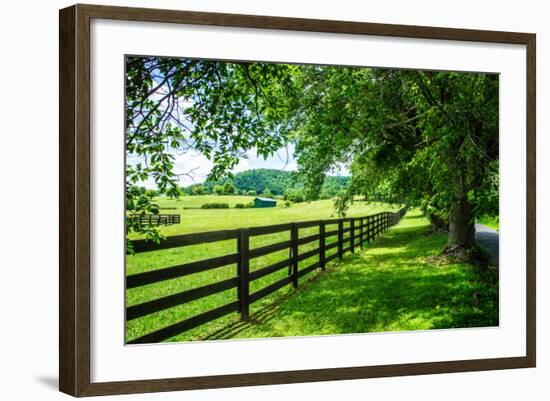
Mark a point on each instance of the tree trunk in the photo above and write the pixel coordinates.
(461, 226)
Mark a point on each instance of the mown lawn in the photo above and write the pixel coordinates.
(397, 283)
(196, 219)
(199, 220)
(196, 201)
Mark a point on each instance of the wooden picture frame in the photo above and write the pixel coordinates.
(74, 203)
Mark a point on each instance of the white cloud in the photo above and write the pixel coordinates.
(290, 166)
(252, 153)
(243, 165)
(192, 166)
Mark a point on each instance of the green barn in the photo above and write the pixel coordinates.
(264, 202)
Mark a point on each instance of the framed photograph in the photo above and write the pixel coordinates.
(250, 200)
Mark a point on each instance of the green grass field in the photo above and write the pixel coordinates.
(400, 271)
(198, 220)
(398, 283)
(195, 202)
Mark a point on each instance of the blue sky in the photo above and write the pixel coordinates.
(198, 166)
(201, 166)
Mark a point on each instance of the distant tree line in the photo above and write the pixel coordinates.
(268, 183)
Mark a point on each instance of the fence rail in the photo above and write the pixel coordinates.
(360, 230)
(156, 219)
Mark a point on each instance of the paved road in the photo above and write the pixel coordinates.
(487, 238)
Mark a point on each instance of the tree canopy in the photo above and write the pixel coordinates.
(177, 105)
(428, 139)
(425, 138)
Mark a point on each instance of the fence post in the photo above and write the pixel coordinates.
(322, 244)
(244, 270)
(340, 238)
(294, 247)
(361, 222)
(352, 235)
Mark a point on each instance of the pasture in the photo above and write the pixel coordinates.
(200, 220)
(401, 282)
(398, 282)
(194, 219)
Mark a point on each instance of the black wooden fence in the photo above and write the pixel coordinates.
(156, 219)
(360, 230)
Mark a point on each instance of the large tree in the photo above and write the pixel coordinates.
(428, 139)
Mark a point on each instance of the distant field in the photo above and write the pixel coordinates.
(199, 200)
(199, 220)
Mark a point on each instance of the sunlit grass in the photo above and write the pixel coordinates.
(199, 220)
(399, 283)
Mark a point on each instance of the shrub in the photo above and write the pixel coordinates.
(266, 193)
(197, 190)
(251, 193)
(239, 206)
(283, 205)
(249, 205)
(296, 198)
(228, 188)
(295, 195)
(215, 205)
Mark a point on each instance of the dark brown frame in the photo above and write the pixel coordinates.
(74, 200)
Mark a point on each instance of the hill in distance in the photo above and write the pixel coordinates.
(276, 182)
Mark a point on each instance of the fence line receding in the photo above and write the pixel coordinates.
(359, 231)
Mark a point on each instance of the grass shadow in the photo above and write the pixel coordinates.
(392, 285)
